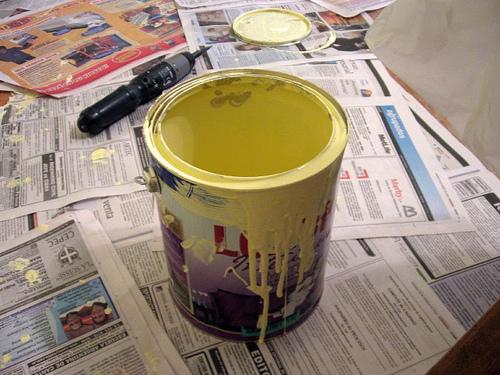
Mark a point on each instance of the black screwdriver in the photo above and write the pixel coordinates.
(140, 90)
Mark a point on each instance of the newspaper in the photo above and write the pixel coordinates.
(210, 3)
(212, 27)
(11, 8)
(374, 317)
(62, 49)
(69, 306)
(351, 8)
(462, 268)
(363, 87)
(48, 163)
(13, 228)
(390, 183)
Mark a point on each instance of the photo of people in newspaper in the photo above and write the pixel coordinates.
(159, 20)
(58, 50)
(63, 317)
(86, 318)
(343, 24)
(77, 315)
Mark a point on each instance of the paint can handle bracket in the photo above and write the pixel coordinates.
(149, 178)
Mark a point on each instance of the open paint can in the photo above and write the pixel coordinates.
(244, 165)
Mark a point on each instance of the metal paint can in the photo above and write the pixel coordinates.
(244, 166)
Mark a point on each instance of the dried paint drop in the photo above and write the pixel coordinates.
(27, 180)
(16, 138)
(153, 360)
(42, 228)
(25, 338)
(101, 155)
(33, 276)
(25, 102)
(13, 183)
(168, 219)
(6, 358)
(19, 264)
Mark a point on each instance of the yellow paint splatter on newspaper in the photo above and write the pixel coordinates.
(19, 264)
(33, 276)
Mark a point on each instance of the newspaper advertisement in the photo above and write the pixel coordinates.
(11, 8)
(351, 8)
(374, 316)
(462, 268)
(48, 163)
(70, 306)
(64, 48)
(212, 27)
(389, 184)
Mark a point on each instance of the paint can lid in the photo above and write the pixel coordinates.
(271, 27)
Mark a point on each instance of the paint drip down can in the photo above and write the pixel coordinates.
(244, 165)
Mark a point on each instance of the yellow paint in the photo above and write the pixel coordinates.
(26, 101)
(43, 228)
(153, 362)
(246, 143)
(235, 273)
(108, 310)
(16, 138)
(13, 183)
(19, 264)
(101, 155)
(270, 150)
(6, 358)
(168, 219)
(33, 276)
(204, 250)
(25, 338)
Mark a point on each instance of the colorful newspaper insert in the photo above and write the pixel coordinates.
(59, 50)
(69, 306)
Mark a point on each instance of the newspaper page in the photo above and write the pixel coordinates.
(114, 158)
(70, 307)
(64, 48)
(464, 268)
(374, 317)
(351, 8)
(11, 8)
(212, 27)
(48, 163)
(210, 3)
(389, 184)
(13, 228)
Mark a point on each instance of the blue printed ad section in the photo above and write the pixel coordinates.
(421, 180)
(64, 317)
